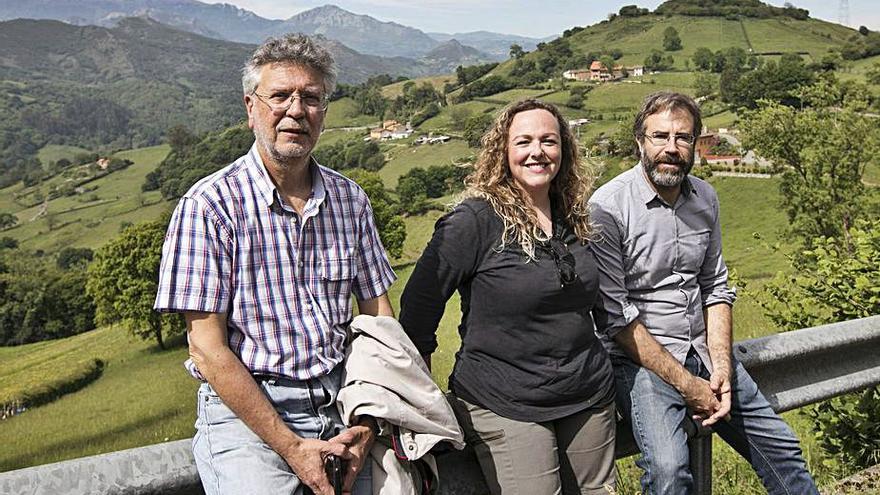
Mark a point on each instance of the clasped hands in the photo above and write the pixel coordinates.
(709, 401)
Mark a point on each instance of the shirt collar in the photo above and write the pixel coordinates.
(269, 193)
(646, 190)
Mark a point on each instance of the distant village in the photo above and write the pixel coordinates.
(717, 148)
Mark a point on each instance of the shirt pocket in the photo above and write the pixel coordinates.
(337, 274)
(693, 248)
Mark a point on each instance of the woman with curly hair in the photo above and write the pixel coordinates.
(531, 385)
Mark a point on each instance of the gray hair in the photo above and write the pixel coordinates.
(662, 101)
(296, 49)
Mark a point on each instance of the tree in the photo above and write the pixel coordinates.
(704, 84)
(516, 51)
(823, 150)
(475, 127)
(703, 58)
(873, 74)
(7, 220)
(773, 81)
(71, 257)
(622, 142)
(835, 281)
(123, 279)
(671, 40)
(40, 302)
(386, 212)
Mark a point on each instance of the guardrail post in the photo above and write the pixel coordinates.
(700, 454)
(700, 448)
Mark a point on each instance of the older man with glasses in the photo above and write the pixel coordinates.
(262, 258)
(667, 304)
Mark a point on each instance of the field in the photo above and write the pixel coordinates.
(638, 37)
(55, 152)
(402, 158)
(344, 113)
(143, 396)
(90, 219)
(394, 90)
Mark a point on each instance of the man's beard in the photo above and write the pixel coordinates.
(267, 141)
(665, 178)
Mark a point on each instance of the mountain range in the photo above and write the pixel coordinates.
(361, 33)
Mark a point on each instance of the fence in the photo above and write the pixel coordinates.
(793, 369)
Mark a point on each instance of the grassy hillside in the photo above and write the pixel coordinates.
(637, 37)
(394, 90)
(143, 396)
(89, 219)
(344, 113)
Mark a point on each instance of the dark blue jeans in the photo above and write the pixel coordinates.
(658, 414)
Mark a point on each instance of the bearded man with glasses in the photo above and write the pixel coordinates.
(667, 313)
(262, 258)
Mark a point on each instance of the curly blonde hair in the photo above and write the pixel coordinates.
(491, 181)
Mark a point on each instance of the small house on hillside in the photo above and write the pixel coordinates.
(391, 129)
(636, 70)
(706, 142)
(598, 72)
(577, 74)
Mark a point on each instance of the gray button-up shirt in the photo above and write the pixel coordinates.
(658, 264)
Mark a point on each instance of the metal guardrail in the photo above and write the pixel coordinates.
(793, 369)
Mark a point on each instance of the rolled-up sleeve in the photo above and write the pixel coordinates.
(449, 259)
(609, 253)
(714, 288)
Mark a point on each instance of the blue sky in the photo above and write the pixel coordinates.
(536, 18)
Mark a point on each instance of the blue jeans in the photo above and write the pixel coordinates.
(658, 414)
(232, 460)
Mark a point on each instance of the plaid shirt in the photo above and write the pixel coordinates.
(285, 282)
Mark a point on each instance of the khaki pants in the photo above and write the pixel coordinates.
(571, 455)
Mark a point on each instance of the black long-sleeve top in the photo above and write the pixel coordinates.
(528, 348)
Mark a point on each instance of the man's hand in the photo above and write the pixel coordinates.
(358, 440)
(719, 382)
(700, 398)
(306, 459)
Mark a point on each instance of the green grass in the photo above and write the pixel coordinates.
(144, 396)
(55, 152)
(403, 158)
(726, 119)
(515, 94)
(785, 35)
(91, 219)
(620, 98)
(748, 207)
(344, 113)
(444, 120)
(394, 90)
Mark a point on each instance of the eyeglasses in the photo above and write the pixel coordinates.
(565, 263)
(281, 101)
(661, 138)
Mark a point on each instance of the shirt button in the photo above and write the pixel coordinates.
(300, 263)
